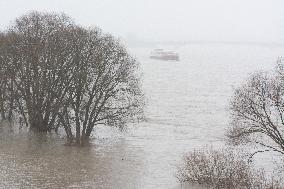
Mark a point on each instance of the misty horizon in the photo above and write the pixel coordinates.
(219, 21)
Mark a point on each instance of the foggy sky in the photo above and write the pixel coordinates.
(170, 20)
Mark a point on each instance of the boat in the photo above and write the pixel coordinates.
(161, 54)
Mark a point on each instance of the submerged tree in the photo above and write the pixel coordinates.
(39, 63)
(106, 89)
(3, 78)
(55, 73)
(258, 112)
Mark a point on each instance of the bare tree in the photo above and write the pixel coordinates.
(7, 95)
(40, 51)
(56, 73)
(107, 89)
(3, 79)
(257, 112)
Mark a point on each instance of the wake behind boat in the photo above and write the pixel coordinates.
(160, 54)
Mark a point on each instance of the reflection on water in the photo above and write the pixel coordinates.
(187, 108)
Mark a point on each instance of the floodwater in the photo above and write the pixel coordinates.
(187, 108)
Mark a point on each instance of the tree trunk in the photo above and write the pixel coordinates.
(2, 109)
(89, 131)
(12, 98)
(37, 124)
(78, 134)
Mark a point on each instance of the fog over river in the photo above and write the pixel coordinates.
(187, 108)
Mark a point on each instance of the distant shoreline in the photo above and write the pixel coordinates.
(181, 43)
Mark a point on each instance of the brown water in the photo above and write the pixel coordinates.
(187, 108)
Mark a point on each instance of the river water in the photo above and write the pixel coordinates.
(187, 108)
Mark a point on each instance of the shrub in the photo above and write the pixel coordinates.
(222, 169)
